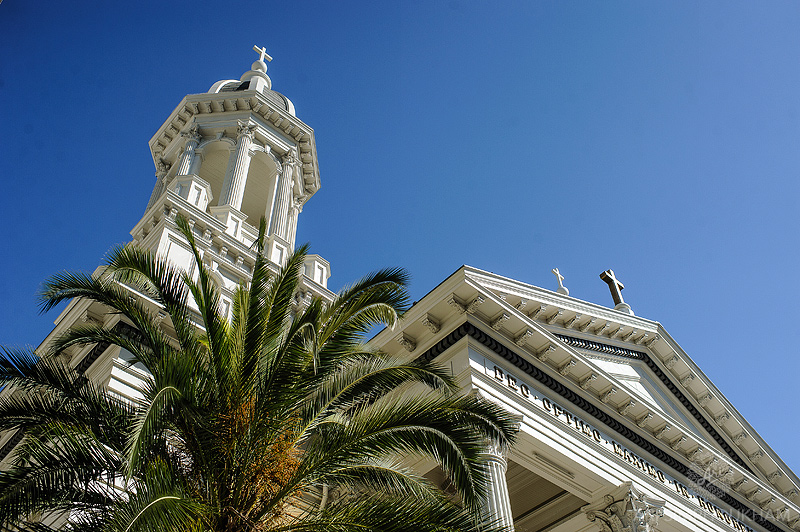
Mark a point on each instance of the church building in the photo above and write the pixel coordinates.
(619, 430)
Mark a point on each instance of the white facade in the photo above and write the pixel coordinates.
(619, 429)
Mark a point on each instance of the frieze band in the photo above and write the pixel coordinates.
(468, 329)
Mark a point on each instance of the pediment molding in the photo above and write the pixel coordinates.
(666, 381)
(610, 422)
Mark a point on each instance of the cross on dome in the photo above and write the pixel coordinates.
(263, 52)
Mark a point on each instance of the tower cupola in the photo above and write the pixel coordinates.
(227, 158)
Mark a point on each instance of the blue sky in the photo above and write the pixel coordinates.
(659, 139)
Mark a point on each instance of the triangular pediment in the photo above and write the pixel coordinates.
(628, 367)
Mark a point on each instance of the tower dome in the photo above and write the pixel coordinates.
(226, 159)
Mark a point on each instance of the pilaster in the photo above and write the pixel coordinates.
(186, 162)
(283, 202)
(161, 174)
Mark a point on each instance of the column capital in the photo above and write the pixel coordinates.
(289, 158)
(245, 129)
(625, 508)
(192, 134)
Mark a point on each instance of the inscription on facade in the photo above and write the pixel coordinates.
(619, 451)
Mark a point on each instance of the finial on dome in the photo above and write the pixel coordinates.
(257, 75)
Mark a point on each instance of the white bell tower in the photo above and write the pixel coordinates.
(225, 159)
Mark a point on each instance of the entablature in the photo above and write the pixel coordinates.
(278, 127)
(516, 316)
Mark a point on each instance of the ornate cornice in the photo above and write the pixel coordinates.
(664, 378)
(609, 421)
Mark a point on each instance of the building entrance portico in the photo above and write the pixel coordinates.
(616, 432)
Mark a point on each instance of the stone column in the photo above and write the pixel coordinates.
(161, 175)
(283, 200)
(297, 208)
(497, 503)
(187, 157)
(239, 163)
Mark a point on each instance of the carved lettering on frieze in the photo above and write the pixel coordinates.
(522, 338)
(431, 323)
(585, 383)
(623, 411)
(606, 396)
(625, 509)
(497, 323)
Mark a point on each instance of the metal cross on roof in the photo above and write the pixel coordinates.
(263, 52)
(614, 285)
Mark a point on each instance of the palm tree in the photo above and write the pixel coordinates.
(267, 421)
